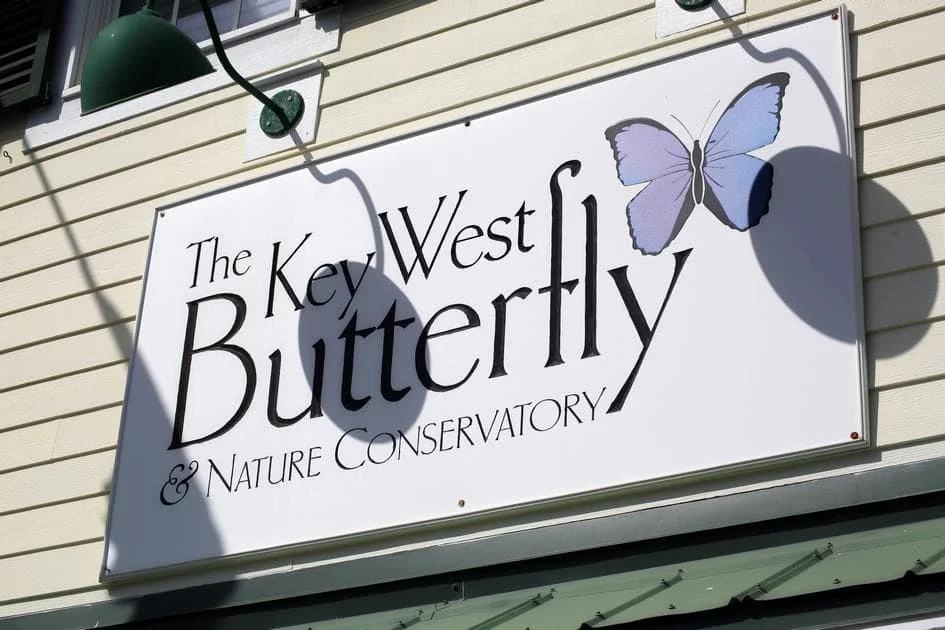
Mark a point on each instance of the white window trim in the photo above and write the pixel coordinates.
(99, 14)
(274, 44)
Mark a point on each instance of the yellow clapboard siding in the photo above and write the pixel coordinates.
(210, 160)
(909, 413)
(363, 34)
(26, 446)
(57, 439)
(122, 152)
(904, 298)
(62, 397)
(509, 31)
(902, 245)
(65, 356)
(616, 34)
(53, 526)
(903, 43)
(448, 49)
(69, 316)
(74, 277)
(59, 481)
(88, 432)
(125, 225)
(871, 15)
(900, 94)
(905, 355)
(902, 143)
(228, 118)
(203, 163)
(53, 571)
(896, 196)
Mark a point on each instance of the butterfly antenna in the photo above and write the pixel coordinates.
(701, 131)
(683, 126)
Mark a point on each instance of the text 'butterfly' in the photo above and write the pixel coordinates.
(734, 186)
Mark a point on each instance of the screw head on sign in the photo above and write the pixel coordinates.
(461, 503)
(854, 435)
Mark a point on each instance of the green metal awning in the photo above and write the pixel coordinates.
(821, 564)
(867, 563)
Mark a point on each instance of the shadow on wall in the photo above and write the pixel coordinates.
(780, 250)
(201, 526)
(786, 249)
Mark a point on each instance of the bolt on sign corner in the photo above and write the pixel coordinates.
(649, 276)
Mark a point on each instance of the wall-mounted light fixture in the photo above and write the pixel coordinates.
(142, 52)
(693, 5)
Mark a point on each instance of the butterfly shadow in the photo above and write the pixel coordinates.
(899, 282)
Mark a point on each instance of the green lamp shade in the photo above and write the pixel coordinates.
(137, 54)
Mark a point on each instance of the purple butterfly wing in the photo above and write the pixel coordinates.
(646, 151)
(739, 186)
(739, 189)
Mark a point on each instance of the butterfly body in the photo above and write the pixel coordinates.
(722, 176)
(698, 177)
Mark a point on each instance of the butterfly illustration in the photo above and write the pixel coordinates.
(734, 186)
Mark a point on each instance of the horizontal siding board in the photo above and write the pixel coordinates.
(53, 526)
(74, 277)
(900, 94)
(509, 31)
(899, 195)
(914, 412)
(56, 570)
(86, 433)
(66, 437)
(903, 245)
(906, 355)
(125, 225)
(872, 15)
(27, 446)
(69, 316)
(56, 482)
(903, 43)
(119, 153)
(62, 397)
(904, 298)
(177, 172)
(65, 356)
(902, 143)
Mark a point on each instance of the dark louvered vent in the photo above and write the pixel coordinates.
(25, 39)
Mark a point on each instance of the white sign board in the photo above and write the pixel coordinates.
(558, 298)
